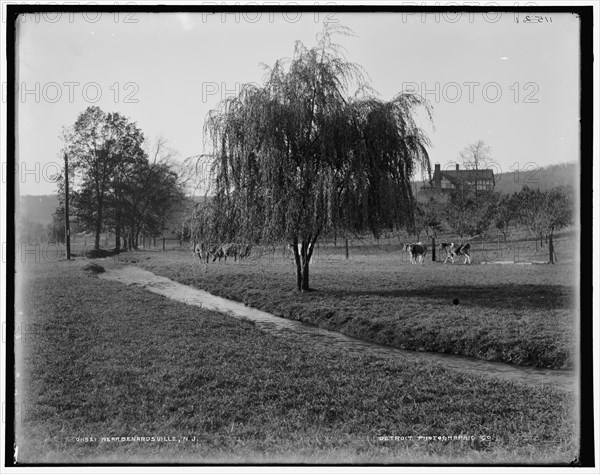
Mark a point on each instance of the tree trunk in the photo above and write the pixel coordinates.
(433, 249)
(98, 232)
(117, 237)
(305, 273)
(67, 224)
(551, 249)
(302, 259)
(98, 224)
(297, 259)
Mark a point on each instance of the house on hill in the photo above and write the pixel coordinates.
(446, 182)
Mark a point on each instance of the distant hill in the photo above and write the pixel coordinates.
(566, 174)
(38, 209)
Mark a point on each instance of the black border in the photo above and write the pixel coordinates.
(585, 14)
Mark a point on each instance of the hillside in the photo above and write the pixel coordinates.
(38, 209)
(566, 174)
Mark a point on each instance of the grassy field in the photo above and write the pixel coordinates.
(101, 359)
(521, 314)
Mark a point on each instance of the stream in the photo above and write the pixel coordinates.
(133, 275)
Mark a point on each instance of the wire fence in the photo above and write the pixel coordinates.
(515, 249)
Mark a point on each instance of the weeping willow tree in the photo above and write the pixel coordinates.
(302, 155)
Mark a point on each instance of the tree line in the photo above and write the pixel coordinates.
(119, 181)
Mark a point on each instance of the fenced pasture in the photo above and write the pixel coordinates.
(519, 247)
(520, 314)
(113, 373)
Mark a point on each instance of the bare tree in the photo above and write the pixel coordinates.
(151, 192)
(475, 157)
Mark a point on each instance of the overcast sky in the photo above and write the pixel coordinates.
(513, 84)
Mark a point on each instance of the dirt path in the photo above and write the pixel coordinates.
(133, 275)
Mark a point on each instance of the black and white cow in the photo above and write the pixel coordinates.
(457, 250)
(417, 251)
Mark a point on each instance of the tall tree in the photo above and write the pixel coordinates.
(97, 145)
(301, 154)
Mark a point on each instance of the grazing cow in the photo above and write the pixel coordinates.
(237, 251)
(199, 248)
(448, 248)
(215, 251)
(244, 250)
(456, 250)
(205, 251)
(230, 250)
(463, 249)
(417, 251)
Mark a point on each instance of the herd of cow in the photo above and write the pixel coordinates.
(418, 251)
(205, 251)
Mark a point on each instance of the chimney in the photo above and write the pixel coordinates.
(437, 177)
(456, 166)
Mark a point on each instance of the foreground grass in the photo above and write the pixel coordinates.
(509, 313)
(105, 360)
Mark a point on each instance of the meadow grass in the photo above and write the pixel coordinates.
(102, 359)
(509, 313)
